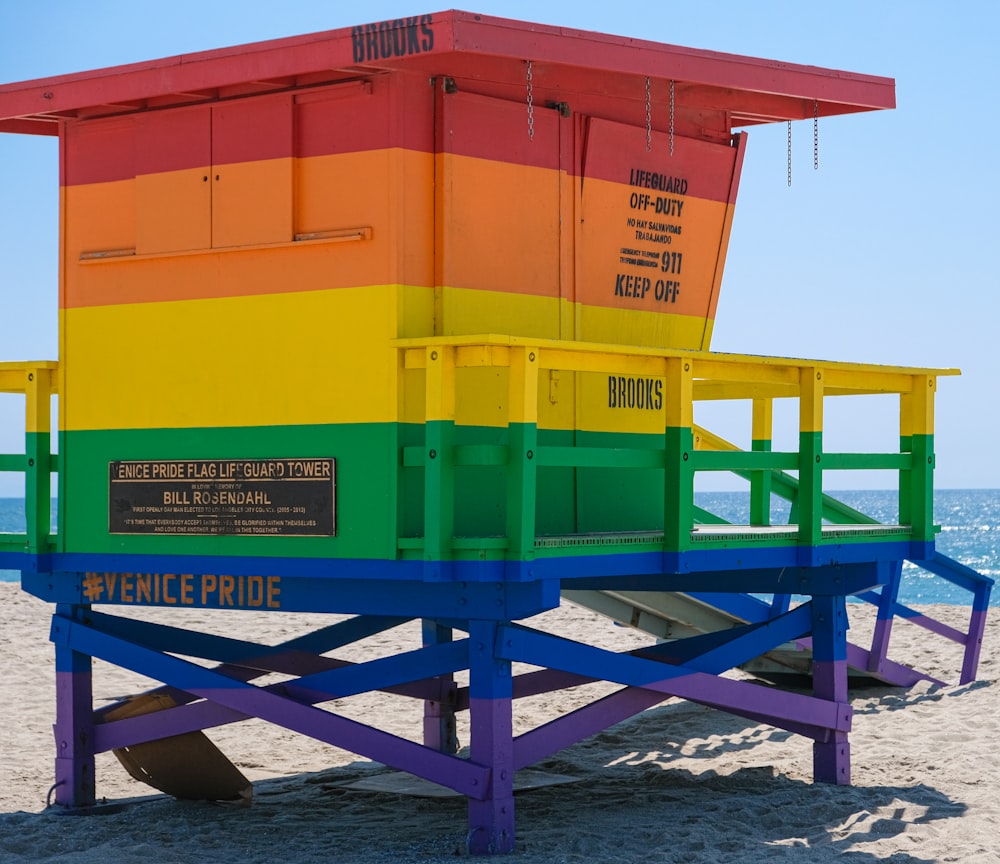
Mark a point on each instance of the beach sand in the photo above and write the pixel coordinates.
(677, 783)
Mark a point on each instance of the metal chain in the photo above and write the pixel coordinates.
(531, 105)
(815, 135)
(649, 120)
(789, 152)
(671, 118)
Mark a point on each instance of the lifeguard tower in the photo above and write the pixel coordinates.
(408, 321)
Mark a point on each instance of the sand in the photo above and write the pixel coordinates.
(678, 783)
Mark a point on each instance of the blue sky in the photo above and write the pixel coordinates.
(884, 255)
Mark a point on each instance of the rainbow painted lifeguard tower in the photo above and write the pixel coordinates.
(408, 321)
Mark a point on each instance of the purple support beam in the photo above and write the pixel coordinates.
(889, 671)
(713, 653)
(188, 717)
(491, 818)
(886, 614)
(832, 755)
(73, 728)
(533, 746)
(738, 697)
(439, 714)
(977, 624)
(453, 773)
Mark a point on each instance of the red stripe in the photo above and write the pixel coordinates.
(345, 119)
(383, 113)
(99, 151)
(173, 140)
(248, 130)
(617, 153)
(500, 130)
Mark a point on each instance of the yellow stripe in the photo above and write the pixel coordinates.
(762, 420)
(810, 400)
(469, 312)
(638, 327)
(37, 380)
(917, 407)
(312, 357)
(679, 401)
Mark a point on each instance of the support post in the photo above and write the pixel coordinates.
(439, 476)
(832, 756)
(74, 786)
(522, 432)
(678, 497)
(439, 715)
(886, 615)
(491, 817)
(760, 481)
(37, 483)
(810, 497)
(916, 435)
(974, 639)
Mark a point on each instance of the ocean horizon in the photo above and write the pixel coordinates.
(969, 521)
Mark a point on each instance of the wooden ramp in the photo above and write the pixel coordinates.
(672, 615)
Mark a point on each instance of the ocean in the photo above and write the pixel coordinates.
(969, 520)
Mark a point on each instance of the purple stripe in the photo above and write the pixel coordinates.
(830, 680)
(491, 817)
(973, 647)
(74, 764)
(932, 624)
(892, 673)
(832, 761)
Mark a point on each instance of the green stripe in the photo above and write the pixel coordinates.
(37, 489)
(367, 459)
(810, 500)
(916, 486)
(760, 487)
(480, 483)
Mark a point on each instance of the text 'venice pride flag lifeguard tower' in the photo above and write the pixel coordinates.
(279, 266)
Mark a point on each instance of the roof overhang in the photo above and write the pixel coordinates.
(460, 45)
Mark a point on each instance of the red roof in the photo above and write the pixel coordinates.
(463, 46)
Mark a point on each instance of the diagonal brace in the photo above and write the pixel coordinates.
(449, 771)
(528, 646)
(742, 644)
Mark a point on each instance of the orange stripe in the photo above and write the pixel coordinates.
(98, 217)
(353, 188)
(245, 272)
(173, 211)
(683, 266)
(252, 203)
(500, 232)
(500, 226)
(102, 216)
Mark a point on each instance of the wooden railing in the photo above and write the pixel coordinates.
(37, 382)
(687, 377)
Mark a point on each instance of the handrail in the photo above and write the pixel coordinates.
(687, 377)
(37, 381)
